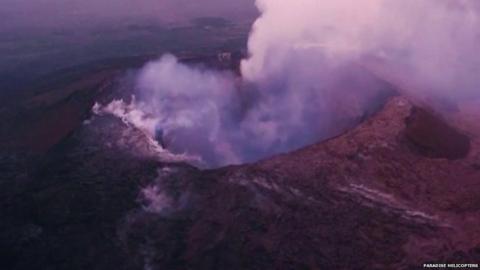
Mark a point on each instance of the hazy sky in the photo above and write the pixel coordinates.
(81, 13)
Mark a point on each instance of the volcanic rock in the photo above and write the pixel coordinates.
(433, 137)
(396, 191)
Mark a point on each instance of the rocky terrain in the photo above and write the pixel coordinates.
(394, 189)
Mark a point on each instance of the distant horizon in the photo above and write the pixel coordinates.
(54, 14)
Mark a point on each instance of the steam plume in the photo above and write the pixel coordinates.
(433, 39)
(305, 70)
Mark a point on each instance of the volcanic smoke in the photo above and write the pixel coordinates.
(306, 58)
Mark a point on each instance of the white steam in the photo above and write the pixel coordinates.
(190, 106)
(434, 39)
(309, 72)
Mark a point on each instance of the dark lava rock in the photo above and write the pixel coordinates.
(45, 118)
(239, 219)
(66, 216)
(432, 137)
(102, 199)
